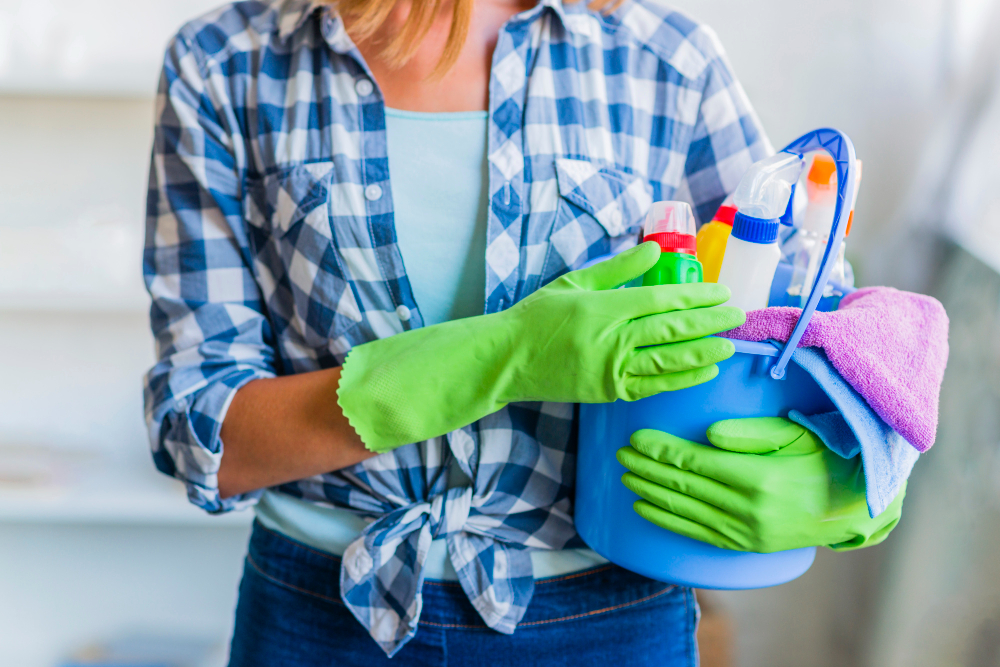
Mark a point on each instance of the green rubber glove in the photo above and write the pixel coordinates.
(770, 485)
(576, 340)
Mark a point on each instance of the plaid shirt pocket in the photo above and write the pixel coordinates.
(297, 262)
(599, 206)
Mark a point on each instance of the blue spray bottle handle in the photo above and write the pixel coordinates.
(841, 149)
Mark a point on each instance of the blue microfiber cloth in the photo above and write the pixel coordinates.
(887, 457)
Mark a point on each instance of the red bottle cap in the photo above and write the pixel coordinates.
(725, 214)
(672, 242)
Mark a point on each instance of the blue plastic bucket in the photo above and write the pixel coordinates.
(758, 381)
(604, 515)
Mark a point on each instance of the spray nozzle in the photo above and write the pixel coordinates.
(766, 188)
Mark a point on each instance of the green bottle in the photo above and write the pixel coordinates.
(671, 224)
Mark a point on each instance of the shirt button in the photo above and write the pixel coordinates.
(364, 87)
(403, 313)
(373, 192)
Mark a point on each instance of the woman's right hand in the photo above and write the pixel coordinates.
(576, 340)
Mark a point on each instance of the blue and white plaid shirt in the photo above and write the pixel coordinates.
(271, 250)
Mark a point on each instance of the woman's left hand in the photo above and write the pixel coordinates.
(768, 485)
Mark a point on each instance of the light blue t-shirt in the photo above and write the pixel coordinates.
(437, 167)
(439, 175)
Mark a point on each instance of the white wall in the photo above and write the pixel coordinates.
(111, 46)
(872, 68)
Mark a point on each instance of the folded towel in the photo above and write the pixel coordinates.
(890, 346)
(855, 429)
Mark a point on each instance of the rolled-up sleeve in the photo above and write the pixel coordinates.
(207, 318)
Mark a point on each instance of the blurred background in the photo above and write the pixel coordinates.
(99, 553)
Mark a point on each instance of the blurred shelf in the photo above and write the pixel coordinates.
(149, 509)
(135, 83)
(68, 302)
(90, 265)
(97, 489)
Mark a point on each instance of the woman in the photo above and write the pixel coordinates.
(303, 150)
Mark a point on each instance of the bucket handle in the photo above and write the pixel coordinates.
(841, 149)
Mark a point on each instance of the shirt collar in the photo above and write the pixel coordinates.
(557, 8)
(293, 13)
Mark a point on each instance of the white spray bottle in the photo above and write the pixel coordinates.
(753, 253)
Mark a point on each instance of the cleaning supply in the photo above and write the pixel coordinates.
(758, 380)
(890, 346)
(578, 339)
(738, 494)
(671, 225)
(712, 238)
(752, 252)
(813, 233)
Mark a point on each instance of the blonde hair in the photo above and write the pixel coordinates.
(367, 16)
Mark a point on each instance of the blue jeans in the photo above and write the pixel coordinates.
(290, 615)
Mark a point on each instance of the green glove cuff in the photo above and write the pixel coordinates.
(402, 389)
(879, 528)
(359, 396)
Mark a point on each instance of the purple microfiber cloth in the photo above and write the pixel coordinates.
(890, 346)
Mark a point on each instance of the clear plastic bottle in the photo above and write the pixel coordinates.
(752, 252)
(812, 236)
(671, 225)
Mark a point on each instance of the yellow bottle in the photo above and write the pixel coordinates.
(712, 239)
